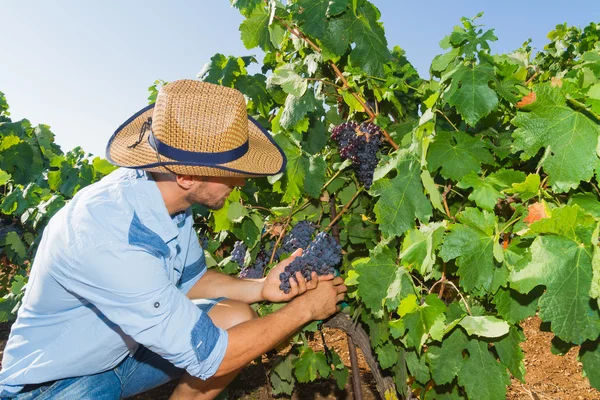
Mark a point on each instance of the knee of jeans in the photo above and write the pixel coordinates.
(238, 312)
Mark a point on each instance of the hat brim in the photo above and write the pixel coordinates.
(263, 158)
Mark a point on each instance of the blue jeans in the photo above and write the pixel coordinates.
(140, 373)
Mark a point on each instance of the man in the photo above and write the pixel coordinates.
(119, 299)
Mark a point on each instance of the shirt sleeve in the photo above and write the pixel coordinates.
(195, 268)
(131, 288)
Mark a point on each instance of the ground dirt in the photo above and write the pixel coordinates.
(548, 377)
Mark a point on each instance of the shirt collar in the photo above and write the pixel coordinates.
(151, 208)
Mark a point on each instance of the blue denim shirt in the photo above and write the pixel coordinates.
(111, 271)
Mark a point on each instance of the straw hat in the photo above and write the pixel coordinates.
(196, 128)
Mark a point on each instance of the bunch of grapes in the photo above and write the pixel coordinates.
(359, 143)
(299, 237)
(238, 253)
(322, 255)
(256, 270)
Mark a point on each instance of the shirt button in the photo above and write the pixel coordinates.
(156, 305)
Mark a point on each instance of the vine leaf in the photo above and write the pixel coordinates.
(589, 355)
(484, 326)
(419, 246)
(514, 306)
(470, 92)
(471, 243)
(561, 260)
(309, 364)
(446, 360)
(255, 30)
(487, 189)
(511, 354)
(489, 385)
(569, 137)
(310, 16)
(427, 319)
(375, 278)
(458, 154)
(295, 172)
(371, 51)
(401, 199)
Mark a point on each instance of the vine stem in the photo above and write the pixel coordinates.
(356, 384)
(450, 122)
(296, 32)
(532, 78)
(446, 191)
(346, 207)
(331, 179)
(323, 81)
(287, 222)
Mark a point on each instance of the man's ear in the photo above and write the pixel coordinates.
(186, 182)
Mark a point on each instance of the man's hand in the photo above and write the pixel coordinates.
(271, 291)
(322, 302)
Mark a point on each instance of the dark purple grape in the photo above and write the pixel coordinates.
(256, 270)
(321, 256)
(359, 143)
(239, 253)
(299, 237)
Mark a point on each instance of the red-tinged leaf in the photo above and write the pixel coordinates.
(526, 100)
(537, 211)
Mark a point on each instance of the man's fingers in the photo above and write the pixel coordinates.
(338, 280)
(301, 282)
(327, 277)
(293, 288)
(314, 281)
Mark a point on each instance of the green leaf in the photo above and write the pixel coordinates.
(295, 171)
(315, 176)
(484, 326)
(309, 364)
(588, 202)
(420, 322)
(236, 212)
(336, 39)
(417, 366)
(569, 137)
(589, 355)
(446, 359)
(401, 199)
(432, 190)
(102, 166)
(13, 241)
(387, 355)
(4, 177)
(336, 7)
(289, 80)
(399, 288)
(482, 376)
(246, 6)
(472, 242)
(561, 260)
(458, 154)
(221, 220)
(351, 101)
(510, 353)
(375, 278)
(370, 52)
(514, 306)
(255, 30)
(471, 94)
(296, 108)
(247, 231)
(281, 377)
(340, 372)
(311, 16)
(487, 189)
(419, 246)
(527, 189)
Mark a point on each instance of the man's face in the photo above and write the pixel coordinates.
(212, 191)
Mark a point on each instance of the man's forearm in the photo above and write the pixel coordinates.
(215, 284)
(253, 338)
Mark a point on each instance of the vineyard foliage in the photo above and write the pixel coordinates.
(484, 208)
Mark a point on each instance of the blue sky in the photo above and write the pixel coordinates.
(84, 67)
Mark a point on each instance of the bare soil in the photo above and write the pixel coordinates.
(548, 376)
